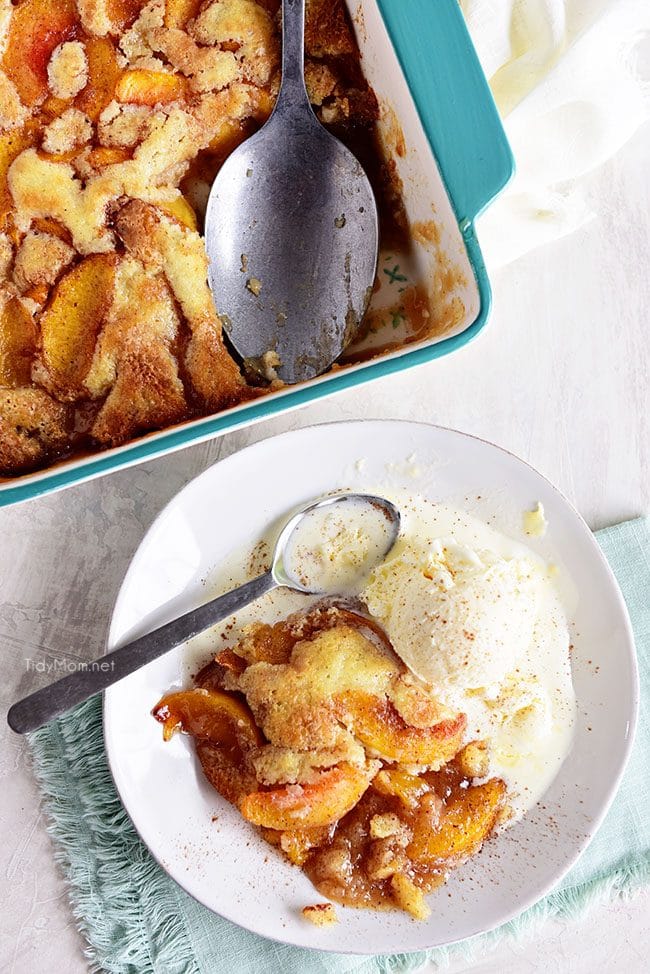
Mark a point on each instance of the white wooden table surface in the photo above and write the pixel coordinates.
(561, 377)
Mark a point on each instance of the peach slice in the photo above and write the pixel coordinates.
(178, 12)
(122, 13)
(408, 787)
(102, 156)
(180, 210)
(35, 29)
(11, 145)
(465, 823)
(38, 293)
(210, 677)
(71, 322)
(141, 87)
(103, 73)
(46, 224)
(61, 157)
(228, 134)
(17, 344)
(210, 716)
(377, 724)
(54, 107)
(223, 729)
(310, 806)
(226, 771)
(228, 660)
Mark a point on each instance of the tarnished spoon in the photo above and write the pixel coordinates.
(379, 517)
(291, 232)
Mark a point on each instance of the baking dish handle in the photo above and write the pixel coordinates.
(453, 100)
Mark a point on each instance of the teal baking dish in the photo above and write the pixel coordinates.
(441, 127)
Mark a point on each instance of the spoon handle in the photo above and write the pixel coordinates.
(292, 89)
(42, 706)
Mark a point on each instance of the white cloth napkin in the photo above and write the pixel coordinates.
(571, 79)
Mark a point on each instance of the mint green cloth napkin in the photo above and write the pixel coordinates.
(138, 921)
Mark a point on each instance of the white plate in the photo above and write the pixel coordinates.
(224, 863)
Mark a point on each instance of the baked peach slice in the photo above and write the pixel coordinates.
(103, 75)
(227, 661)
(376, 723)
(467, 820)
(139, 86)
(46, 224)
(11, 145)
(395, 782)
(309, 806)
(209, 716)
(102, 156)
(223, 730)
(122, 13)
(180, 210)
(36, 28)
(226, 770)
(53, 107)
(409, 897)
(228, 134)
(71, 322)
(17, 344)
(178, 12)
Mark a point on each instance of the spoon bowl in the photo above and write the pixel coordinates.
(378, 517)
(291, 232)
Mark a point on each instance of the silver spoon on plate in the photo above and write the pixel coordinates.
(291, 231)
(381, 521)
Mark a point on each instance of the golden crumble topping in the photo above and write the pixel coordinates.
(115, 116)
(67, 132)
(40, 259)
(67, 72)
(123, 125)
(95, 16)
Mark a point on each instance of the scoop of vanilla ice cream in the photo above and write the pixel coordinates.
(459, 618)
(479, 618)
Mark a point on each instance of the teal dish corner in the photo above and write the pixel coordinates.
(463, 127)
(453, 100)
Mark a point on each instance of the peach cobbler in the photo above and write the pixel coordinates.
(322, 738)
(115, 116)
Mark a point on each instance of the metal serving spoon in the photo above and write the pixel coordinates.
(42, 706)
(292, 234)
